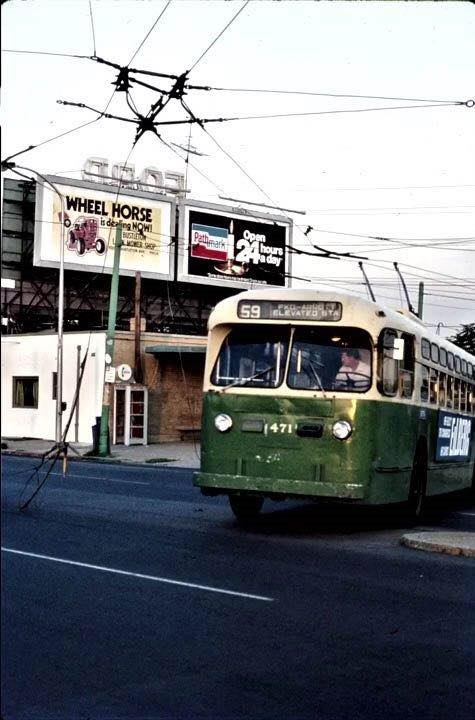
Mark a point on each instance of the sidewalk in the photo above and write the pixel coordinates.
(174, 454)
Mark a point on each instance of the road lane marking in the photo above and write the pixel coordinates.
(167, 581)
(97, 477)
(465, 513)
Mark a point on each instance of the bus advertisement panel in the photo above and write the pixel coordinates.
(224, 246)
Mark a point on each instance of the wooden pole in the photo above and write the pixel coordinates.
(138, 374)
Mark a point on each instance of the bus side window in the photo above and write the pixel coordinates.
(388, 366)
(456, 394)
(470, 398)
(424, 383)
(463, 396)
(406, 367)
(433, 386)
(450, 391)
(442, 389)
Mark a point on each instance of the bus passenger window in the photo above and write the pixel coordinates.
(425, 349)
(442, 389)
(450, 391)
(450, 360)
(470, 399)
(406, 367)
(424, 383)
(389, 367)
(433, 386)
(456, 394)
(463, 396)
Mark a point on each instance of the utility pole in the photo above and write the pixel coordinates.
(420, 305)
(110, 338)
(59, 357)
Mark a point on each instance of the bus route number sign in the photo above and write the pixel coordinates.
(297, 310)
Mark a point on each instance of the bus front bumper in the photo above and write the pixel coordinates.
(277, 486)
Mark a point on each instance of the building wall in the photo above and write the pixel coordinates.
(36, 355)
(174, 381)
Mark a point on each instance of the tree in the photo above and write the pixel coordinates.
(465, 338)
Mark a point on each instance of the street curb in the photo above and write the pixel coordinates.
(106, 460)
(450, 543)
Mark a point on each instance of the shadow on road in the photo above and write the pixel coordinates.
(331, 519)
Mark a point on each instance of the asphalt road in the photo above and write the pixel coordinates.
(126, 594)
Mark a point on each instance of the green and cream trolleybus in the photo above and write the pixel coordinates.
(325, 395)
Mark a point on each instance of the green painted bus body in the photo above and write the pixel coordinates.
(373, 466)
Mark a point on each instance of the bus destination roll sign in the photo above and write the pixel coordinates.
(322, 311)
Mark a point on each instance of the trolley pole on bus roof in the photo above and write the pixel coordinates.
(110, 338)
(420, 304)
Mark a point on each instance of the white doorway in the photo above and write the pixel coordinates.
(130, 415)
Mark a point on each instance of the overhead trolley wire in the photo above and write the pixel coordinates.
(92, 27)
(322, 94)
(235, 16)
(149, 32)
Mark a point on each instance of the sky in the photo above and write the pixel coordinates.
(405, 175)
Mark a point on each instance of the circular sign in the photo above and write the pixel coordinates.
(124, 372)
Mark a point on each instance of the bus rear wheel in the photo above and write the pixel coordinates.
(246, 507)
(417, 490)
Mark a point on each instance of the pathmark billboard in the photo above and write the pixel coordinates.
(86, 218)
(221, 245)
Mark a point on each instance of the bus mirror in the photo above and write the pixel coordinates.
(396, 349)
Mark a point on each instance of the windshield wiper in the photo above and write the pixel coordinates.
(244, 381)
(317, 377)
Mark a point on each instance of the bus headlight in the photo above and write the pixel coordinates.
(341, 429)
(223, 422)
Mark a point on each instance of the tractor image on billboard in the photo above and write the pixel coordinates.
(82, 236)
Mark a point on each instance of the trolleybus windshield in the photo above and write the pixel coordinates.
(253, 357)
(321, 358)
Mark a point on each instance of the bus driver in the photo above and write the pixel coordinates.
(353, 371)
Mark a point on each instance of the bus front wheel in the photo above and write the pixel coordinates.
(246, 507)
(417, 489)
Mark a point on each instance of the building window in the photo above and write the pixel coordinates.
(25, 392)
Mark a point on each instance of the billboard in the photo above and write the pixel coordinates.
(221, 245)
(88, 217)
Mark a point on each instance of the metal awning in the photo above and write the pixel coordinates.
(159, 349)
